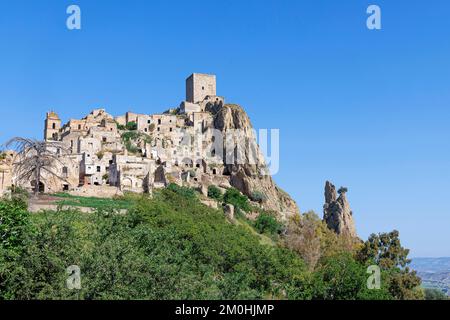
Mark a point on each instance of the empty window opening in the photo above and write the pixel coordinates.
(99, 168)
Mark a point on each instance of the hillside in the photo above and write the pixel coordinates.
(435, 272)
(170, 246)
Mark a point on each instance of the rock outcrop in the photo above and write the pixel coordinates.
(337, 212)
(249, 173)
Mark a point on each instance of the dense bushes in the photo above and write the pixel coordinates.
(167, 247)
(170, 247)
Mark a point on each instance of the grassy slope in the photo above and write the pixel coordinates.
(169, 247)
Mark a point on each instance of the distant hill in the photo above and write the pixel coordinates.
(435, 272)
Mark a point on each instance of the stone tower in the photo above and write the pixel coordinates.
(199, 85)
(52, 126)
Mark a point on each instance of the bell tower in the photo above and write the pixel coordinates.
(52, 126)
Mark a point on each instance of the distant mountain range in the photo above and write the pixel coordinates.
(435, 272)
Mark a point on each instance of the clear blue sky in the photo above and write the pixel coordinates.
(365, 109)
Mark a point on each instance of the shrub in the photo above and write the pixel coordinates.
(215, 193)
(186, 192)
(132, 126)
(342, 190)
(234, 197)
(267, 223)
(258, 196)
(14, 221)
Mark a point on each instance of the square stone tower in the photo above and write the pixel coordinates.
(199, 85)
(52, 126)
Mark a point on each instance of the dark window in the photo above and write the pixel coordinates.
(99, 168)
(66, 187)
(54, 125)
(159, 121)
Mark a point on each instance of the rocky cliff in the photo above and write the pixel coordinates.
(337, 212)
(250, 174)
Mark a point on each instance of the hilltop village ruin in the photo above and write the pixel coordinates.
(103, 155)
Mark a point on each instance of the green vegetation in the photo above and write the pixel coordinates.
(215, 193)
(92, 202)
(435, 294)
(258, 196)
(170, 246)
(234, 197)
(130, 138)
(268, 224)
(2, 156)
(131, 126)
(185, 192)
(386, 251)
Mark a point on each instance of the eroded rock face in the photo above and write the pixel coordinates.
(337, 212)
(249, 172)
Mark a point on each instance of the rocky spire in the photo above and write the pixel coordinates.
(336, 211)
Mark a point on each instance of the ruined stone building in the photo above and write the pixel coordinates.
(104, 155)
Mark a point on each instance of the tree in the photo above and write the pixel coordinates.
(35, 159)
(303, 238)
(385, 250)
